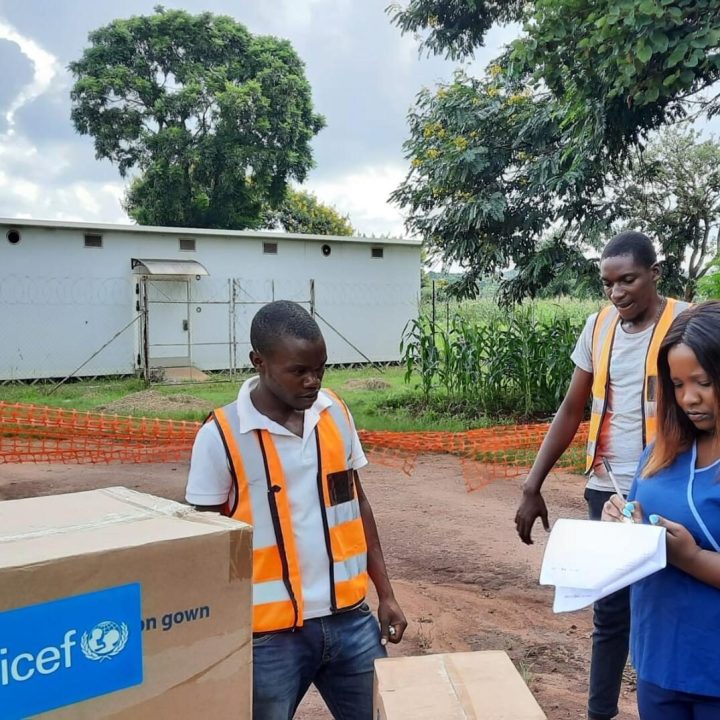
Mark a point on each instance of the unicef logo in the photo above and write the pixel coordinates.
(104, 641)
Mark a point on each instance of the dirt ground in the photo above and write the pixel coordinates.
(463, 578)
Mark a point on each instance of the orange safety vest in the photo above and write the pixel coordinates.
(602, 342)
(259, 497)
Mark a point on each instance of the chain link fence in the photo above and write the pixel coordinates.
(62, 327)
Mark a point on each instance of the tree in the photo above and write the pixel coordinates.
(555, 269)
(709, 285)
(673, 194)
(455, 27)
(215, 120)
(490, 178)
(533, 148)
(615, 67)
(302, 212)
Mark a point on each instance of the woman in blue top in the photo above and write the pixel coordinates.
(675, 631)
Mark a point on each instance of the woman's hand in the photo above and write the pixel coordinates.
(682, 550)
(617, 510)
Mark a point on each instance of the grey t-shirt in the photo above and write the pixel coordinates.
(620, 439)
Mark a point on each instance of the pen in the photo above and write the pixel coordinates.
(614, 481)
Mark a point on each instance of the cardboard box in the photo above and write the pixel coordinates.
(115, 604)
(462, 686)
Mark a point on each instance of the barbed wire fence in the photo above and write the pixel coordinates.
(56, 329)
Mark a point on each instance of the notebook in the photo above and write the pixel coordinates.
(587, 560)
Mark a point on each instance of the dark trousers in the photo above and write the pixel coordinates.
(610, 638)
(656, 703)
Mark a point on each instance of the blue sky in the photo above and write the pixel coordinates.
(364, 76)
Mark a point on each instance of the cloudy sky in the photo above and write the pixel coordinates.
(364, 77)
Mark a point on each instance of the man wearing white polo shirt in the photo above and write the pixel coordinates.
(284, 458)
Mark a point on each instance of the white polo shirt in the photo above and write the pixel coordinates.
(210, 483)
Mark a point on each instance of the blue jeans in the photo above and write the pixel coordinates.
(610, 638)
(336, 653)
(656, 703)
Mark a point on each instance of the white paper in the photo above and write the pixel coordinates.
(587, 560)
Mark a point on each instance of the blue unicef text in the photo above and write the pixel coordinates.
(65, 651)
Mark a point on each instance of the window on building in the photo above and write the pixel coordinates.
(13, 236)
(270, 248)
(187, 244)
(377, 252)
(93, 240)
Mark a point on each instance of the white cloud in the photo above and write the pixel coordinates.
(45, 68)
(30, 179)
(303, 14)
(37, 182)
(17, 150)
(363, 195)
(81, 201)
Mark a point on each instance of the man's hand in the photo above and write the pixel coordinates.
(392, 621)
(531, 508)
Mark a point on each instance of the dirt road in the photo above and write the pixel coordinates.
(464, 579)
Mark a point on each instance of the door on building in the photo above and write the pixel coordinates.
(168, 320)
(163, 300)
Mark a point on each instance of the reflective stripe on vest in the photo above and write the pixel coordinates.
(259, 497)
(602, 342)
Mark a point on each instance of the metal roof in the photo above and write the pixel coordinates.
(167, 267)
(200, 232)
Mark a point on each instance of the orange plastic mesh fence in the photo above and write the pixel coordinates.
(31, 433)
(487, 454)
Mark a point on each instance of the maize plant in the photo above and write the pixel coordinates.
(511, 363)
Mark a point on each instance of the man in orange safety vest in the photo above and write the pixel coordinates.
(284, 458)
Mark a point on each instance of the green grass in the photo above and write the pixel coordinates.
(93, 395)
(392, 408)
(77, 395)
(389, 408)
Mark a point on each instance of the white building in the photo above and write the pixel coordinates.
(90, 299)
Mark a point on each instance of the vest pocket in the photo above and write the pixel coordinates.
(341, 486)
